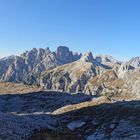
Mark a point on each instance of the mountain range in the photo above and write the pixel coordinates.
(18, 68)
(67, 71)
(66, 95)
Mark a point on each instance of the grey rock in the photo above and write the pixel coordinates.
(28, 66)
(74, 76)
(135, 62)
(75, 124)
(107, 60)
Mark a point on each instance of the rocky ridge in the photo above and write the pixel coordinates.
(66, 71)
(74, 76)
(135, 62)
(102, 99)
(107, 60)
(90, 76)
(27, 66)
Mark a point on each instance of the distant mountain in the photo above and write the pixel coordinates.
(21, 68)
(107, 60)
(64, 70)
(135, 62)
(72, 77)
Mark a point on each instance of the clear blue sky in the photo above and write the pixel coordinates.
(102, 26)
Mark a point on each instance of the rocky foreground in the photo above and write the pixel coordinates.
(52, 115)
(117, 121)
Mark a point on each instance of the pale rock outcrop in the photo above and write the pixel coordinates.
(75, 124)
(28, 66)
(135, 62)
(64, 70)
(132, 83)
(123, 69)
(74, 76)
(107, 60)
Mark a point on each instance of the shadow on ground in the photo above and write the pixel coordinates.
(26, 115)
(39, 101)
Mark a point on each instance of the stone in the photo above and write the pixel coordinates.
(75, 124)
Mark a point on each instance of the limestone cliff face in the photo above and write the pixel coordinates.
(107, 60)
(28, 65)
(12, 69)
(89, 76)
(135, 62)
(63, 70)
(72, 77)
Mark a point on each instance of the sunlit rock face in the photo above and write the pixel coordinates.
(107, 60)
(30, 64)
(74, 76)
(64, 70)
(135, 62)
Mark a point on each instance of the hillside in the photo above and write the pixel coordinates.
(64, 95)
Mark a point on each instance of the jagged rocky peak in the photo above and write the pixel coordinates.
(105, 58)
(108, 60)
(65, 55)
(40, 52)
(87, 56)
(135, 62)
(72, 77)
(77, 55)
(62, 51)
(33, 62)
(123, 69)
